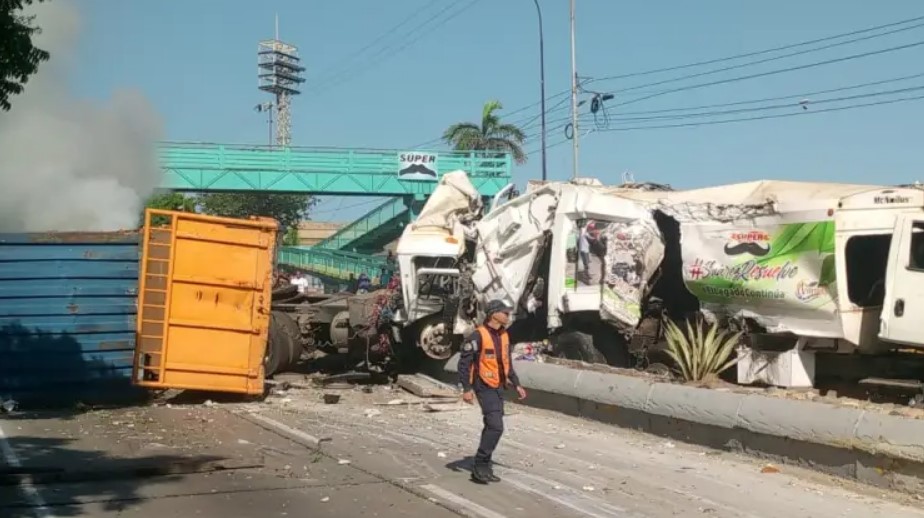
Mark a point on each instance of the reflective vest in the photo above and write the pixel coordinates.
(486, 362)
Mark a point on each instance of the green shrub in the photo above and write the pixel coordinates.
(700, 354)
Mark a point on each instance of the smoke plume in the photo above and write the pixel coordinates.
(69, 164)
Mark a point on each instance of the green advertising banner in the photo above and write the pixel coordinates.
(784, 269)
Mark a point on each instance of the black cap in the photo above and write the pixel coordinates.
(497, 306)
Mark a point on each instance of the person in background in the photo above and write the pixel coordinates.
(364, 284)
(300, 282)
(352, 284)
(485, 369)
(385, 276)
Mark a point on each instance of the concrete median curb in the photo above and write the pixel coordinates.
(869, 446)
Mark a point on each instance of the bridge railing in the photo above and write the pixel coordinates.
(336, 264)
(205, 156)
(372, 220)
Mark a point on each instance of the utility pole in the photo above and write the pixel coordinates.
(542, 88)
(268, 108)
(574, 102)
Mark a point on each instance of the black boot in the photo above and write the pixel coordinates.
(489, 473)
(480, 473)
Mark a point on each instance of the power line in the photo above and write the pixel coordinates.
(381, 37)
(774, 72)
(529, 122)
(767, 60)
(779, 98)
(746, 119)
(759, 52)
(607, 117)
(755, 53)
(383, 53)
(765, 117)
(807, 105)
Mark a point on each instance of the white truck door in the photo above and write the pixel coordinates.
(902, 319)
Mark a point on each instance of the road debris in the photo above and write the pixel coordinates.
(371, 412)
(395, 402)
(425, 386)
(769, 468)
(344, 377)
(445, 407)
(331, 399)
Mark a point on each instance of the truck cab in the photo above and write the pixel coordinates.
(877, 245)
(902, 307)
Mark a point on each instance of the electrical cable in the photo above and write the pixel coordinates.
(779, 98)
(804, 95)
(776, 71)
(381, 37)
(777, 116)
(755, 53)
(749, 119)
(760, 52)
(766, 60)
(805, 105)
(383, 56)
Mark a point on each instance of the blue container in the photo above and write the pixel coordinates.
(67, 316)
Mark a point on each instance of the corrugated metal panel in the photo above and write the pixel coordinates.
(67, 316)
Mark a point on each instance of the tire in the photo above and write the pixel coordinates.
(597, 343)
(578, 345)
(284, 292)
(276, 353)
(291, 337)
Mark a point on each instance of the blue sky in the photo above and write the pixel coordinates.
(196, 61)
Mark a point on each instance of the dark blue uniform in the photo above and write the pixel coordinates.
(490, 399)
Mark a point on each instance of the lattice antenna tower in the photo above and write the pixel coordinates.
(279, 72)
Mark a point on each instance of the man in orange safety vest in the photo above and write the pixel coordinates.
(485, 369)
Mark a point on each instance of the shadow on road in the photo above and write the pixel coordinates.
(66, 478)
(57, 454)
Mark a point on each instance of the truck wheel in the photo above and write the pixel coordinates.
(290, 336)
(276, 352)
(578, 345)
(434, 342)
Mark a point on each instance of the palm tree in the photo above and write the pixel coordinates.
(490, 135)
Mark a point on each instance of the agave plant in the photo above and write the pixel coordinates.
(700, 354)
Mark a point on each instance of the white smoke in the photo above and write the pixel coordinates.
(69, 164)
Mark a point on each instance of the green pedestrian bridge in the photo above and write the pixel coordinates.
(403, 177)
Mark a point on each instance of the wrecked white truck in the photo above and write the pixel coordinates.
(802, 267)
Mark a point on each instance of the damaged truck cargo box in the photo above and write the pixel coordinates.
(204, 302)
(794, 257)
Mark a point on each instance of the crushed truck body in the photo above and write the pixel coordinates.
(800, 267)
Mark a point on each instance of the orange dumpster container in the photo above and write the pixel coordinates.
(204, 302)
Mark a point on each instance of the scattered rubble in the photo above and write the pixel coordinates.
(425, 386)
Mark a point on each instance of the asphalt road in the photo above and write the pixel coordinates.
(394, 460)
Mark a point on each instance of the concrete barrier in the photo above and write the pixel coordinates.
(869, 446)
